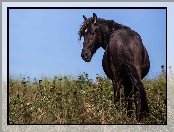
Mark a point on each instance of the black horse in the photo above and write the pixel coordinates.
(125, 60)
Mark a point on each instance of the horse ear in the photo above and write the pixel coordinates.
(95, 18)
(84, 18)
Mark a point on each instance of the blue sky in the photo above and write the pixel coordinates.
(44, 42)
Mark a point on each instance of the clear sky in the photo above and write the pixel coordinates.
(44, 42)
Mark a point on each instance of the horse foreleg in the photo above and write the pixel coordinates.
(116, 93)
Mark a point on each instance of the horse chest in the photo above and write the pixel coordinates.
(106, 64)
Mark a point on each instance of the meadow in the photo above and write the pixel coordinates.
(68, 100)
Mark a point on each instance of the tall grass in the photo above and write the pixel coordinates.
(63, 100)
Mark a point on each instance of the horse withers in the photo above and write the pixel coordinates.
(125, 60)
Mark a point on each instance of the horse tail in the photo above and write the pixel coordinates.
(131, 73)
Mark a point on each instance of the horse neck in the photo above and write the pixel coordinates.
(107, 28)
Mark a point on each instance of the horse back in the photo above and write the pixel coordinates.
(131, 42)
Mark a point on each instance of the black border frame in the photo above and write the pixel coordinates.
(8, 8)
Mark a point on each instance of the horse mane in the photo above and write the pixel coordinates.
(113, 26)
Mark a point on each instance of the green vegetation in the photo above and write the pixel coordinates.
(63, 100)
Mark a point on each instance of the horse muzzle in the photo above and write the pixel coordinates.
(86, 57)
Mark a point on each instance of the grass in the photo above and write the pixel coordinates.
(63, 100)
